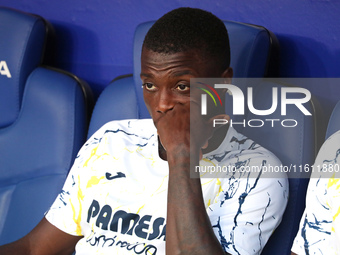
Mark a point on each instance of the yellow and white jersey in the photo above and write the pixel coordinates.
(320, 223)
(116, 193)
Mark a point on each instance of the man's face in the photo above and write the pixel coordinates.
(166, 79)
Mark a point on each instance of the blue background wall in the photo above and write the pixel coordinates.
(95, 36)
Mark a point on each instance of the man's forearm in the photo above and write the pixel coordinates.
(189, 229)
(19, 247)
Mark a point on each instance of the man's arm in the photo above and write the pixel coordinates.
(188, 228)
(44, 239)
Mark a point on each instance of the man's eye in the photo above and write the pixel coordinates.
(182, 87)
(149, 86)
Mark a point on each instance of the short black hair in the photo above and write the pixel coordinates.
(185, 29)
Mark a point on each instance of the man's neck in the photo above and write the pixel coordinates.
(161, 150)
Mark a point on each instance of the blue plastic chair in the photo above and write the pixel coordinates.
(43, 123)
(296, 147)
(334, 121)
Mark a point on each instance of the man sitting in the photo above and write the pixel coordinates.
(133, 189)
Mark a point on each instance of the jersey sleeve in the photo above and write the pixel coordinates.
(249, 207)
(66, 211)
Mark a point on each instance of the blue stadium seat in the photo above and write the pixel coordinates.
(295, 146)
(254, 54)
(43, 123)
(334, 121)
(21, 50)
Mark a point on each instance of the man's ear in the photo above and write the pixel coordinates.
(228, 74)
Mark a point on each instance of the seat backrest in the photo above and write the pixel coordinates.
(22, 44)
(254, 53)
(40, 138)
(293, 139)
(334, 121)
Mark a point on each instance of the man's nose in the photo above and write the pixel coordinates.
(166, 102)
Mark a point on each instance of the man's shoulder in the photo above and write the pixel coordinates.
(129, 124)
(238, 144)
(327, 161)
(134, 127)
(330, 146)
(246, 156)
(122, 133)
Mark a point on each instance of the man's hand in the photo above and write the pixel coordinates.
(184, 132)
